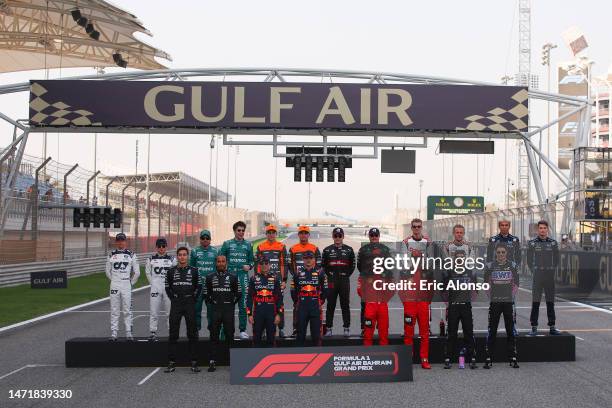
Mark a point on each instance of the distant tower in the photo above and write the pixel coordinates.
(524, 78)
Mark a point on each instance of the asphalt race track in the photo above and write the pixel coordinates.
(33, 359)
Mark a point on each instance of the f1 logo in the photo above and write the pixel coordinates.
(307, 365)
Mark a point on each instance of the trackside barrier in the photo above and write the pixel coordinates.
(17, 274)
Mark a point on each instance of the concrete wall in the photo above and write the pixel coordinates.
(219, 221)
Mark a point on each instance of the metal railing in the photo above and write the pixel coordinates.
(480, 226)
(11, 275)
(16, 274)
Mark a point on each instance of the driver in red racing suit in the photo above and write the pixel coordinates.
(371, 291)
(417, 302)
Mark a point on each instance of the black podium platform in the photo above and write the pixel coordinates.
(99, 352)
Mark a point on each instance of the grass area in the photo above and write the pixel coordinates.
(19, 303)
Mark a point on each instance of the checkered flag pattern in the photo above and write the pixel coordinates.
(58, 113)
(502, 120)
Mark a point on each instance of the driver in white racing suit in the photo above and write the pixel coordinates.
(155, 270)
(123, 271)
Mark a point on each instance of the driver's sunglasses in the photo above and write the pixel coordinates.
(205, 238)
(417, 226)
(161, 246)
(239, 230)
(338, 235)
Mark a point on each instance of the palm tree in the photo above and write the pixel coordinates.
(519, 197)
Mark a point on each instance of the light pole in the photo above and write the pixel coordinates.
(237, 152)
(309, 200)
(420, 200)
(228, 177)
(216, 174)
(546, 48)
(275, 186)
(212, 146)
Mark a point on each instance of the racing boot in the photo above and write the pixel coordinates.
(129, 336)
(488, 363)
(425, 364)
(347, 332)
(554, 331)
(294, 333)
(447, 363)
(153, 337)
(514, 363)
(473, 365)
(211, 366)
(194, 367)
(328, 333)
(244, 335)
(171, 367)
(533, 332)
(281, 333)
(113, 336)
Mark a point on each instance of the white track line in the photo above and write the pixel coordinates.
(338, 309)
(14, 371)
(598, 309)
(29, 366)
(60, 312)
(151, 374)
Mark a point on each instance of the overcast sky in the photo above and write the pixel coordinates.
(474, 40)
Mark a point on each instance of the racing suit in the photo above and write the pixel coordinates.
(155, 269)
(375, 310)
(338, 263)
(264, 303)
(543, 260)
(417, 302)
(513, 248)
(123, 271)
(459, 310)
(277, 255)
(309, 291)
(205, 259)
(504, 281)
(297, 263)
(222, 290)
(450, 248)
(183, 286)
(238, 254)
(513, 251)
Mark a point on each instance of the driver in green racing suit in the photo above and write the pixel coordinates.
(204, 258)
(239, 255)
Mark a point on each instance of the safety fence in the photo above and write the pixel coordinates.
(20, 273)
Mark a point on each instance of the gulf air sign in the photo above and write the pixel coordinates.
(320, 365)
(265, 105)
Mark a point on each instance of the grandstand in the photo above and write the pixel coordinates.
(177, 208)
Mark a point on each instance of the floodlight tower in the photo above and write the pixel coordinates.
(524, 78)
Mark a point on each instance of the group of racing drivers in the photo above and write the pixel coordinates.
(219, 278)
